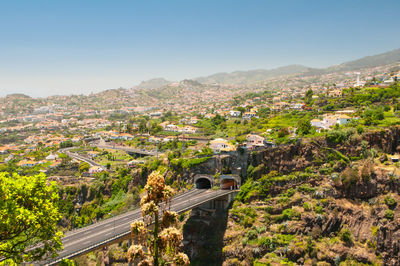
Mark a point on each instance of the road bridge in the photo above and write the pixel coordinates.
(128, 150)
(116, 229)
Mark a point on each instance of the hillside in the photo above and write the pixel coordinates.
(153, 83)
(369, 61)
(254, 76)
(319, 203)
(251, 76)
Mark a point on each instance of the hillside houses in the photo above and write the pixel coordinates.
(335, 93)
(187, 129)
(27, 163)
(249, 115)
(221, 145)
(120, 136)
(234, 113)
(330, 120)
(254, 141)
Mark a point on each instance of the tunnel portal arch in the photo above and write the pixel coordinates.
(229, 181)
(203, 182)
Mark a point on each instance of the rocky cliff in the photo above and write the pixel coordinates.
(319, 202)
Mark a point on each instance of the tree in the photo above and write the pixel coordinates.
(28, 215)
(308, 96)
(303, 127)
(160, 245)
(84, 167)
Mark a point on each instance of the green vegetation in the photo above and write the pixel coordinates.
(390, 202)
(345, 236)
(28, 215)
(389, 214)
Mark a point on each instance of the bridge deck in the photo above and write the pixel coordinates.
(91, 237)
(127, 149)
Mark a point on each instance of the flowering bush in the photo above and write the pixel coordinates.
(160, 245)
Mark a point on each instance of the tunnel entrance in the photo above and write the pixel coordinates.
(229, 181)
(229, 184)
(203, 183)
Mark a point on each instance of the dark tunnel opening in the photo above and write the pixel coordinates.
(203, 183)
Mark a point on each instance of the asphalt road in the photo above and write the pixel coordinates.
(127, 149)
(80, 241)
(79, 157)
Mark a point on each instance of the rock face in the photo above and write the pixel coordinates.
(388, 242)
(350, 192)
(299, 156)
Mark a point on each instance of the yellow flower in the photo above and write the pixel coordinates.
(138, 229)
(155, 186)
(135, 252)
(149, 208)
(181, 259)
(171, 237)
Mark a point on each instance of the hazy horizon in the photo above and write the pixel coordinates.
(63, 48)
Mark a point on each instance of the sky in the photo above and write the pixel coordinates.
(74, 47)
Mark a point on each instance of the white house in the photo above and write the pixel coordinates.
(234, 113)
(330, 120)
(96, 169)
(189, 130)
(218, 145)
(193, 120)
(343, 119)
(171, 127)
(254, 141)
(249, 115)
(317, 123)
(51, 157)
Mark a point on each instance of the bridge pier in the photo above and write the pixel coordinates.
(206, 227)
(129, 244)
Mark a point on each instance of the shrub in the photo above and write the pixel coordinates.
(248, 222)
(251, 234)
(319, 209)
(336, 136)
(261, 229)
(269, 209)
(244, 241)
(367, 170)
(306, 188)
(310, 248)
(290, 192)
(245, 190)
(345, 236)
(390, 202)
(389, 214)
(283, 132)
(307, 206)
(267, 243)
(374, 230)
(349, 177)
(288, 214)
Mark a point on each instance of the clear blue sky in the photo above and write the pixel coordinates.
(63, 47)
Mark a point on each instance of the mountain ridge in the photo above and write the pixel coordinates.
(249, 77)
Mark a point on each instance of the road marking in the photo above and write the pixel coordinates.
(187, 201)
